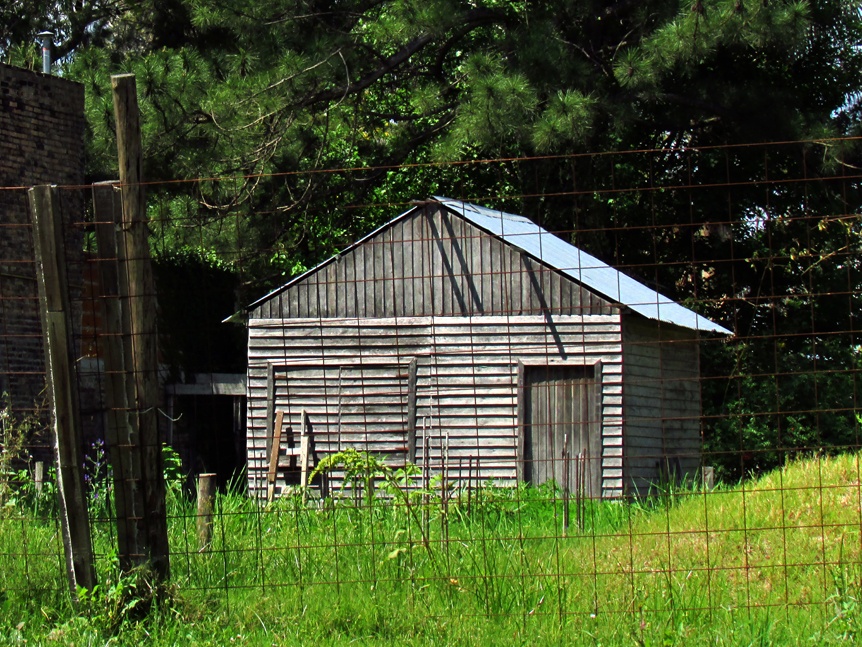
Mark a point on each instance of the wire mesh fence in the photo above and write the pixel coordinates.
(640, 427)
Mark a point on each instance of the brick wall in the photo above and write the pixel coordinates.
(41, 142)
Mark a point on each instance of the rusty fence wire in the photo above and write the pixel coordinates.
(611, 394)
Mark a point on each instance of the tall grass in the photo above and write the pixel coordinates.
(771, 561)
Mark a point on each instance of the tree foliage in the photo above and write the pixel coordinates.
(275, 95)
(296, 111)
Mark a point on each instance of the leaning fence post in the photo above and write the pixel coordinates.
(55, 310)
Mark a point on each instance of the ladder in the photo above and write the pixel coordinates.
(301, 453)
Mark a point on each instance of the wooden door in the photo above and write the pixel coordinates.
(561, 404)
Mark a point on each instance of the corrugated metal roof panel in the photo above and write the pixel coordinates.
(581, 266)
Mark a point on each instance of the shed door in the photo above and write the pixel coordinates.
(561, 404)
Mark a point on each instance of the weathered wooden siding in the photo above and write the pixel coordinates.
(431, 263)
(465, 389)
(361, 405)
(661, 373)
(561, 417)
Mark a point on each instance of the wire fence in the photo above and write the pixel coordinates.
(464, 427)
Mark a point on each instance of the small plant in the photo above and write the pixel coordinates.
(124, 598)
(846, 598)
(97, 480)
(361, 471)
(172, 468)
(42, 502)
(15, 434)
(365, 473)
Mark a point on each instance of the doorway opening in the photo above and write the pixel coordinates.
(209, 435)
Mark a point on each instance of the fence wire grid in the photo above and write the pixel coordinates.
(618, 404)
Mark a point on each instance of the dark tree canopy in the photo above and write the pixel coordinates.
(273, 99)
(244, 88)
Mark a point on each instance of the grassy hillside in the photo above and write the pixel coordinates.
(773, 561)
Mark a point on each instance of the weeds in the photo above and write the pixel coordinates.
(15, 434)
(489, 566)
(98, 481)
(846, 599)
(125, 598)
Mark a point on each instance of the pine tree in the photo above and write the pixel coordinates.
(272, 96)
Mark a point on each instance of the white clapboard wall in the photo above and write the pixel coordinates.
(386, 385)
(415, 343)
(661, 371)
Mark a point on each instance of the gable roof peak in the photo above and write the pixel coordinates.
(554, 252)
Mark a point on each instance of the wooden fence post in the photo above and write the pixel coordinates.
(62, 384)
(708, 478)
(120, 435)
(39, 476)
(206, 493)
(134, 255)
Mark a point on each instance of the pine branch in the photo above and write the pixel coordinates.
(478, 18)
(388, 65)
(472, 19)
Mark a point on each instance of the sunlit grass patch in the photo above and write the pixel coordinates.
(771, 560)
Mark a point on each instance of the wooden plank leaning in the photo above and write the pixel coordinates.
(274, 450)
(308, 459)
(55, 310)
(304, 449)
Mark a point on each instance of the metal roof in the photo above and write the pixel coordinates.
(556, 253)
(584, 268)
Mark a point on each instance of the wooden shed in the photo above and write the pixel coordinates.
(463, 338)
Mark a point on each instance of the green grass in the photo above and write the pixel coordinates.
(772, 561)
